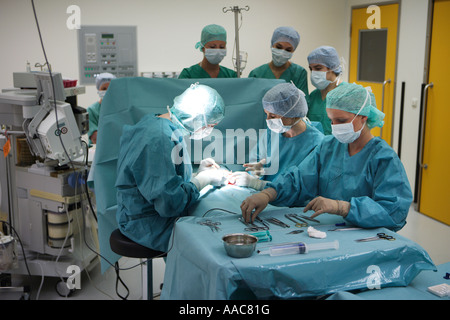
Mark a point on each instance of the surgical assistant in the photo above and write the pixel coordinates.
(326, 72)
(288, 141)
(213, 44)
(284, 42)
(101, 83)
(154, 182)
(351, 174)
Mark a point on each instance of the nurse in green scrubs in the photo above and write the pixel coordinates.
(284, 42)
(213, 44)
(326, 71)
(101, 83)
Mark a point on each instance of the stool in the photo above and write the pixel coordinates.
(128, 248)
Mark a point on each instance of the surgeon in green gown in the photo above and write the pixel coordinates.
(213, 44)
(351, 174)
(326, 72)
(285, 41)
(155, 184)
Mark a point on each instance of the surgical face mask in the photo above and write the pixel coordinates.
(319, 79)
(276, 125)
(101, 94)
(215, 56)
(345, 132)
(201, 133)
(280, 56)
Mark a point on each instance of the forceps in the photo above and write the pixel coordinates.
(212, 225)
(303, 223)
(277, 222)
(297, 224)
(379, 236)
(253, 227)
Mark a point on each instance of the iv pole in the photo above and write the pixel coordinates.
(236, 11)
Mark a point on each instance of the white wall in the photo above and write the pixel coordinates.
(168, 31)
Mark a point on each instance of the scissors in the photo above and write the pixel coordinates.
(297, 224)
(378, 237)
(212, 225)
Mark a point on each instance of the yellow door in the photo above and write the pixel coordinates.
(373, 57)
(435, 171)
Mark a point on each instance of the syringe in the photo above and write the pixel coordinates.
(299, 248)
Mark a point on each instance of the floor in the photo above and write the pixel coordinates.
(432, 235)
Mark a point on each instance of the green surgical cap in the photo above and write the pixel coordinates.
(198, 107)
(351, 97)
(212, 32)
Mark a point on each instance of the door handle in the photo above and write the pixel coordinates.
(382, 102)
(422, 124)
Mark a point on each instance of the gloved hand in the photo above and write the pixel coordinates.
(257, 168)
(257, 202)
(207, 164)
(243, 179)
(214, 177)
(324, 205)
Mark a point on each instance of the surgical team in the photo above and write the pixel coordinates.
(329, 161)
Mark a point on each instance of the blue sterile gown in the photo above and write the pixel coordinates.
(152, 190)
(287, 152)
(374, 181)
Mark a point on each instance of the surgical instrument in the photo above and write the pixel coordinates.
(295, 232)
(277, 222)
(297, 224)
(379, 236)
(295, 216)
(212, 225)
(309, 218)
(252, 227)
(346, 229)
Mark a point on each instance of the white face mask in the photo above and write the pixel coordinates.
(280, 56)
(215, 56)
(345, 132)
(101, 94)
(319, 79)
(276, 125)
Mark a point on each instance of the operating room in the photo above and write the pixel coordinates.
(147, 51)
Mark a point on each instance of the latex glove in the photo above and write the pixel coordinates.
(207, 164)
(253, 205)
(214, 177)
(243, 179)
(257, 168)
(324, 205)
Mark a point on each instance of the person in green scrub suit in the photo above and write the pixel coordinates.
(284, 43)
(213, 44)
(101, 83)
(326, 72)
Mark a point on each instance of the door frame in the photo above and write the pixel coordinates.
(394, 81)
(423, 109)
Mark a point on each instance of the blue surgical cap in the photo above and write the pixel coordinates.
(286, 34)
(102, 78)
(286, 100)
(197, 107)
(351, 97)
(212, 32)
(326, 56)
